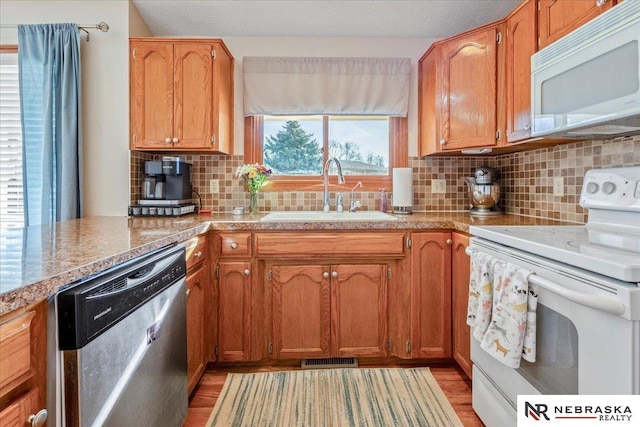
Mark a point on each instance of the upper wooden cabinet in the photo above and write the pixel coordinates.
(459, 81)
(520, 41)
(181, 95)
(557, 18)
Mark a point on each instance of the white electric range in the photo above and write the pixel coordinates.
(588, 317)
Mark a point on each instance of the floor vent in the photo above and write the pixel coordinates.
(332, 362)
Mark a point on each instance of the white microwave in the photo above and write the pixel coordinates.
(586, 85)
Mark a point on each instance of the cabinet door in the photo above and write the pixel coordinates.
(460, 289)
(431, 294)
(151, 95)
(429, 102)
(359, 310)
(193, 97)
(234, 311)
(301, 311)
(469, 112)
(557, 18)
(17, 413)
(520, 45)
(196, 282)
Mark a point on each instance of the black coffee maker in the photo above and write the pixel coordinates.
(166, 189)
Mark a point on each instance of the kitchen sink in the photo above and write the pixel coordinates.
(316, 216)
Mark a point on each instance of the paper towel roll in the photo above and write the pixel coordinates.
(402, 190)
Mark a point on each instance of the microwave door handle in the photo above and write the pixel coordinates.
(608, 305)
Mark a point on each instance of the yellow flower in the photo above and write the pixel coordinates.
(252, 174)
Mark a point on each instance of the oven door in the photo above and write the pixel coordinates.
(582, 348)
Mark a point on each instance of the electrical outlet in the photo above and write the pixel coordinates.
(558, 186)
(438, 185)
(214, 186)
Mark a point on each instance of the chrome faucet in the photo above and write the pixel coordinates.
(354, 204)
(325, 177)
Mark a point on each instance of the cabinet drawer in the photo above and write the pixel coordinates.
(300, 245)
(196, 250)
(235, 244)
(15, 348)
(17, 413)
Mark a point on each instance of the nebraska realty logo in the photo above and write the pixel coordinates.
(578, 410)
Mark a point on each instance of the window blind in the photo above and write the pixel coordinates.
(11, 201)
(326, 86)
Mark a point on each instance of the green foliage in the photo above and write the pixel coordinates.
(293, 151)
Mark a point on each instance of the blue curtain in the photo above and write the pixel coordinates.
(49, 70)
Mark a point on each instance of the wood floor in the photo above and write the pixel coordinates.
(456, 387)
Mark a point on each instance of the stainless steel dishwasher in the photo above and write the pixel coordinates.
(117, 349)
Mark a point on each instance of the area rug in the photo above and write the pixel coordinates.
(333, 398)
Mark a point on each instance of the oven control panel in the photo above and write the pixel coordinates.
(612, 189)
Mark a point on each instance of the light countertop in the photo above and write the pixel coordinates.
(35, 261)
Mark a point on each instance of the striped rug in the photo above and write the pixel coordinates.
(333, 398)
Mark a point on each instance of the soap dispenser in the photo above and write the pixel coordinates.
(382, 202)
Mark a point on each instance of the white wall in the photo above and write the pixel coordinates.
(105, 97)
(304, 46)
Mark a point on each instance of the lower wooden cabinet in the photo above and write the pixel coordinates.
(198, 286)
(23, 356)
(328, 310)
(234, 311)
(431, 295)
(460, 270)
(196, 283)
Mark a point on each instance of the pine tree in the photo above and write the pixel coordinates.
(293, 151)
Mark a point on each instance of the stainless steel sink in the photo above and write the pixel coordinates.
(315, 216)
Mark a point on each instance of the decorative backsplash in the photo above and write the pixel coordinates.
(526, 180)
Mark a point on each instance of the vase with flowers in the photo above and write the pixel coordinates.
(255, 177)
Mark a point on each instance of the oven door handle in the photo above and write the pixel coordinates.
(598, 302)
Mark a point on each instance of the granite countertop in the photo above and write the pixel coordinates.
(38, 260)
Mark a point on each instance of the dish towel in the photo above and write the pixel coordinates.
(480, 293)
(512, 332)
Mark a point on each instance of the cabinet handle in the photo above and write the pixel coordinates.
(188, 292)
(198, 254)
(167, 140)
(448, 241)
(38, 419)
(246, 272)
(325, 274)
(234, 245)
(334, 274)
(601, 3)
(175, 139)
(443, 141)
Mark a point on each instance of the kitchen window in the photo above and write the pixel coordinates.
(368, 148)
(301, 111)
(11, 193)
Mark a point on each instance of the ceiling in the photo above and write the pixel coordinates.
(320, 18)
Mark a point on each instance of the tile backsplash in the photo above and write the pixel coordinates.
(526, 180)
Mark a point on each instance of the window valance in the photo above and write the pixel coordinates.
(331, 86)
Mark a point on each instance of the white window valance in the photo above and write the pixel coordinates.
(332, 86)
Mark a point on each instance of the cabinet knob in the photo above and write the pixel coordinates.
(38, 419)
(334, 274)
(527, 127)
(234, 245)
(443, 141)
(246, 272)
(188, 292)
(449, 241)
(167, 140)
(175, 139)
(601, 3)
(325, 274)
(198, 254)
